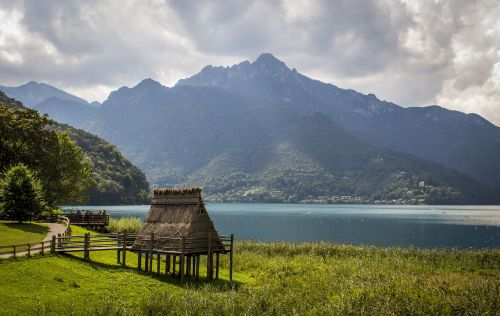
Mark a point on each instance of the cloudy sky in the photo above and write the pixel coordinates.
(410, 52)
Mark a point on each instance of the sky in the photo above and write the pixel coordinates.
(413, 53)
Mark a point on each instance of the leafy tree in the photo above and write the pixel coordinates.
(74, 173)
(116, 180)
(21, 194)
(61, 166)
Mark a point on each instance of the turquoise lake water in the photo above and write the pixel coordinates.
(421, 226)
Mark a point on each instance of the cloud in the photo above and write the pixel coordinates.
(409, 52)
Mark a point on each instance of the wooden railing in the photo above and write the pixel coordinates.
(25, 249)
(88, 243)
(85, 219)
(188, 250)
(35, 247)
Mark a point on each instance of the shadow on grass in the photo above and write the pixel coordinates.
(35, 256)
(221, 285)
(28, 228)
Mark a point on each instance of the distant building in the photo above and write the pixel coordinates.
(421, 184)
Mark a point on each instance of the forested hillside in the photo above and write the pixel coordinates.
(241, 148)
(117, 181)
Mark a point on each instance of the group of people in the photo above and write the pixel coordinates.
(87, 215)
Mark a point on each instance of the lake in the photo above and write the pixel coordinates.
(421, 226)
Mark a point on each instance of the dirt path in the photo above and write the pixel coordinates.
(54, 229)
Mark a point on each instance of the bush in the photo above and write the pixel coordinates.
(125, 225)
(21, 194)
(48, 211)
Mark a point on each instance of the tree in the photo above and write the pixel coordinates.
(21, 194)
(62, 168)
(74, 173)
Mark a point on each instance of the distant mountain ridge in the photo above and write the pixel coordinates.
(251, 132)
(58, 104)
(466, 142)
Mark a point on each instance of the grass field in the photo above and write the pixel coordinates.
(270, 279)
(15, 233)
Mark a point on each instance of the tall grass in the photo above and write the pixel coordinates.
(269, 279)
(124, 225)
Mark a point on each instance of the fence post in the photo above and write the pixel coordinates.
(86, 246)
(124, 253)
(151, 252)
(181, 267)
(29, 249)
(118, 255)
(53, 244)
(231, 258)
(59, 239)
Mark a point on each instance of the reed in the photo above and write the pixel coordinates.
(124, 225)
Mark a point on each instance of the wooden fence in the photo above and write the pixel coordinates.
(182, 256)
(30, 248)
(86, 219)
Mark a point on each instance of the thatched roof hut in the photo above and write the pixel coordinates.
(177, 213)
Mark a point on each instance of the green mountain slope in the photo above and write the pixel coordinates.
(117, 180)
(316, 159)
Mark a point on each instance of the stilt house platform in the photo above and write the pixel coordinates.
(179, 229)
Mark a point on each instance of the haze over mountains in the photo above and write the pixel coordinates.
(59, 105)
(262, 131)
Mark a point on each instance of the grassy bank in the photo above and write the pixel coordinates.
(15, 233)
(270, 278)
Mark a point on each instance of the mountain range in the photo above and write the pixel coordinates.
(260, 131)
(59, 105)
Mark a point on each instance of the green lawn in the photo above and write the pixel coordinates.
(15, 233)
(270, 279)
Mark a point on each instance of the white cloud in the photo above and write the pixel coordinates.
(410, 52)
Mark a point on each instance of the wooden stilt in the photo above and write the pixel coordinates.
(210, 272)
(181, 267)
(193, 273)
(217, 265)
(167, 264)
(146, 261)
(188, 267)
(197, 267)
(231, 258)
(158, 259)
(174, 259)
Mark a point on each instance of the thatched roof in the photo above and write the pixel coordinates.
(176, 213)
